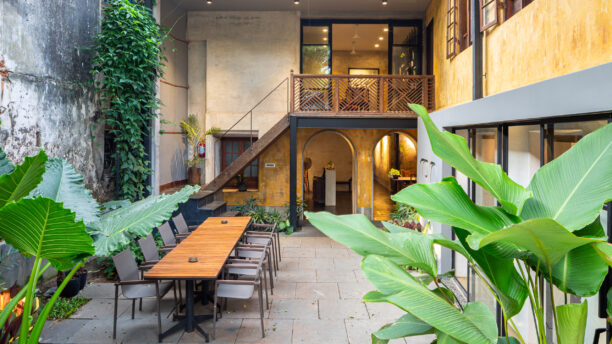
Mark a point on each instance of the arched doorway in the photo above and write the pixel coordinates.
(397, 151)
(326, 189)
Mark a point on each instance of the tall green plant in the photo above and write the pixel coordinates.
(47, 213)
(127, 64)
(194, 135)
(549, 230)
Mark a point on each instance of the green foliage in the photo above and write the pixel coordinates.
(394, 172)
(244, 208)
(556, 235)
(194, 135)
(126, 67)
(5, 165)
(405, 216)
(63, 307)
(46, 229)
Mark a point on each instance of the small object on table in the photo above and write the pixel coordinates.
(193, 259)
(223, 222)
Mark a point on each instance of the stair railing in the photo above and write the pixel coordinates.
(250, 114)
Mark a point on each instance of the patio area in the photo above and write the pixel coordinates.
(317, 299)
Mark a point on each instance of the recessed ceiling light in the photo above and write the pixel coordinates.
(381, 38)
(209, 2)
(324, 30)
(325, 38)
(386, 29)
(376, 45)
(384, 2)
(296, 2)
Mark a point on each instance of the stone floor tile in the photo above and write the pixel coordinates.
(226, 332)
(290, 242)
(99, 291)
(354, 290)
(288, 264)
(336, 275)
(316, 291)
(316, 243)
(331, 252)
(319, 331)
(306, 275)
(426, 339)
(360, 331)
(278, 331)
(283, 289)
(103, 309)
(342, 309)
(60, 331)
(294, 309)
(384, 311)
(244, 309)
(348, 262)
(335, 244)
(359, 275)
(316, 263)
(297, 252)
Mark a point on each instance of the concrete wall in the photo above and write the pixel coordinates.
(546, 39)
(45, 101)
(172, 146)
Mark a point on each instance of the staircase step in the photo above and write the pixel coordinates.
(212, 206)
(229, 213)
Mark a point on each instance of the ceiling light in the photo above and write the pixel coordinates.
(386, 29)
(325, 38)
(381, 38)
(296, 2)
(325, 30)
(376, 45)
(384, 2)
(209, 2)
(356, 35)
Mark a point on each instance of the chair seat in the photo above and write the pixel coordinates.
(135, 291)
(242, 271)
(258, 240)
(235, 291)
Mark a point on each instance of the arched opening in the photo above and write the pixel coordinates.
(397, 152)
(328, 158)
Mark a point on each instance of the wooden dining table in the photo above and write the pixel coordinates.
(208, 247)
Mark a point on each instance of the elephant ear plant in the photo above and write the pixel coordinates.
(549, 230)
(47, 213)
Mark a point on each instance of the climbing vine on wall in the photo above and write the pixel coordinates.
(128, 61)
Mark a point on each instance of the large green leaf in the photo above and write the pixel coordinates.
(446, 202)
(62, 183)
(404, 291)
(41, 227)
(359, 234)
(545, 238)
(573, 188)
(505, 280)
(118, 228)
(5, 164)
(406, 326)
(454, 150)
(572, 321)
(605, 251)
(580, 272)
(24, 178)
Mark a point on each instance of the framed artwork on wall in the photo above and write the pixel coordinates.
(364, 71)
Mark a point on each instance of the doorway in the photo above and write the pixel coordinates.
(329, 173)
(394, 160)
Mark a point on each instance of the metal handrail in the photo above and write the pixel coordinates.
(285, 80)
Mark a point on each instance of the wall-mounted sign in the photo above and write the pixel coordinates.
(270, 165)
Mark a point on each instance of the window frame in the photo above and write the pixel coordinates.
(483, 5)
(252, 182)
(451, 28)
(465, 37)
(510, 5)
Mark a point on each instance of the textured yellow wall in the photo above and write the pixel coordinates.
(274, 182)
(453, 77)
(546, 39)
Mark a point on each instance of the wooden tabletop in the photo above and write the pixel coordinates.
(211, 243)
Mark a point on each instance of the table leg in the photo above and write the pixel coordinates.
(190, 321)
(189, 296)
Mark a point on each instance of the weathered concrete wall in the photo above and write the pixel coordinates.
(45, 101)
(546, 39)
(174, 95)
(274, 182)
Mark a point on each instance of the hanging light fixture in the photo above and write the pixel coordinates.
(209, 2)
(353, 52)
(356, 35)
(384, 2)
(296, 2)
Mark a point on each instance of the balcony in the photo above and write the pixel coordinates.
(360, 94)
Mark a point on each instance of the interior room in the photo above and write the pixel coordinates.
(395, 151)
(328, 173)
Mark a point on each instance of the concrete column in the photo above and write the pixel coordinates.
(196, 95)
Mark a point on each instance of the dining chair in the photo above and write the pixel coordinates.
(266, 239)
(183, 230)
(151, 256)
(268, 228)
(133, 287)
(167, 235)
(240, 289)
(241, 273)
(257, 252)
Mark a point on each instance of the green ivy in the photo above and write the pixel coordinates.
(128, 62)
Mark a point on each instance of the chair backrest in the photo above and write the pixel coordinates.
(180, 224)
(126, 265)
(167, 234)
(148, 247)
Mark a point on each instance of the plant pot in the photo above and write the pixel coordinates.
(242, 187)
(193, 176)
(82, 279)
(395, 176)
(72, 288)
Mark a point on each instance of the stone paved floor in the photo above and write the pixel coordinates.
(317, 299)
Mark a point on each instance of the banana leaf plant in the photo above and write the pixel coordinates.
(550, 229)
(46, 212)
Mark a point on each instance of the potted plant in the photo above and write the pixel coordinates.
(73, 286)
(394, 174)
(330, 165)
(241, 182)
(194, 136)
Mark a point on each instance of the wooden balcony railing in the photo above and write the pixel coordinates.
(360, 94)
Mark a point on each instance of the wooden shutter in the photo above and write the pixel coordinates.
(451, 28)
